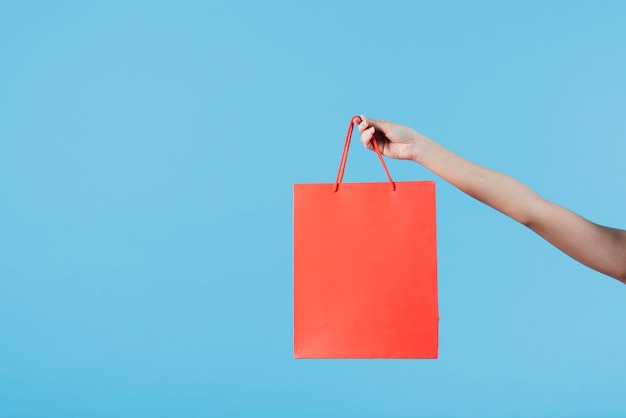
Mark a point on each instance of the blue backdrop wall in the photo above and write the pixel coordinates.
(147, 156)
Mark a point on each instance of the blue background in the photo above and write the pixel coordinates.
(147, 156)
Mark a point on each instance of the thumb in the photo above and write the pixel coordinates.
(366, 137)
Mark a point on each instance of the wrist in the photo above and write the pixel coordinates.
(419, 145)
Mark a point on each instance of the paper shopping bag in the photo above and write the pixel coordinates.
(365, 268)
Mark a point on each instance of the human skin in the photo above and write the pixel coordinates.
(598, 247)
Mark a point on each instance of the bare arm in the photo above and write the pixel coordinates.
(599, 247)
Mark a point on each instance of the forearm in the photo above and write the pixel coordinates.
(495, 189)
(598, 247)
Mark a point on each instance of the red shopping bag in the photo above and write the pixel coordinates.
(365, 268)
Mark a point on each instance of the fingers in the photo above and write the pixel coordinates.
(363, 124)
(366, 137)
(367, 132)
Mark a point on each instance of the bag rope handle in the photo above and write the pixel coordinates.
(344, 156)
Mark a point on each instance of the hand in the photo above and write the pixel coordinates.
(394, 140)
